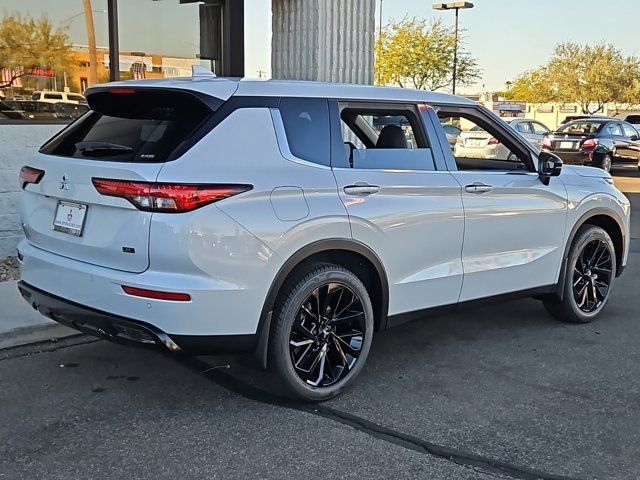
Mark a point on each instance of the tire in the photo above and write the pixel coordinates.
(591, 270)
(606, 163)
(315, 360)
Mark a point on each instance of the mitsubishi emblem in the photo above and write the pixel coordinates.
(64, 183)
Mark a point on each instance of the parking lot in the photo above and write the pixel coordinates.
(499, 391)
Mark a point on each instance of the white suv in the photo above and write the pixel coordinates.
(57, 97)
(292, 220)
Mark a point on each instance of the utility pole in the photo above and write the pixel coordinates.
(91, 41)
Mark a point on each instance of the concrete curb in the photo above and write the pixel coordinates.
(20, 324)
(34, 334)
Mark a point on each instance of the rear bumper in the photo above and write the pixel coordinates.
(574, 158)
(128, 331)
(218, 307)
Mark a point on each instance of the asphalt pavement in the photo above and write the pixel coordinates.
(500, 391)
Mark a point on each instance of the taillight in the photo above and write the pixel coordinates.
(165, 197)
(459, 140)
(493, 141)
(590, 143)
(157, 295)
(546, 143)
(30, 175)
(122, 91)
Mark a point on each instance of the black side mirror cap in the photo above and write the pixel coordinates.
(634, 138)
(549, 165)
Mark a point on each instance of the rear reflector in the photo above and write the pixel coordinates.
(141, 292)
(164, 197)
(30, 175)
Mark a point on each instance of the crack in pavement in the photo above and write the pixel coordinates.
(469, 460)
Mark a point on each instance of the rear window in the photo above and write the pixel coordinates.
(76, 98)
(581, 127)
(130, 126)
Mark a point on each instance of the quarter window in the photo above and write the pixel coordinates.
(306, 123)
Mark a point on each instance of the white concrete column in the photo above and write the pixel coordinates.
(325, 40)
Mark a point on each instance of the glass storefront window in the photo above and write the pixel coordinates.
(51, 52)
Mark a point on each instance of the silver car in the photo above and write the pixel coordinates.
(476, 143)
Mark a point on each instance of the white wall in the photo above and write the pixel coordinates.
(17, 144)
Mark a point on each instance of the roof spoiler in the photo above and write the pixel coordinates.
(198, 71)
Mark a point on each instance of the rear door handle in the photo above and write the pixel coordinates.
(478, 187)
(361, 188)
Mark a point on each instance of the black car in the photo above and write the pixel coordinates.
(598, 142)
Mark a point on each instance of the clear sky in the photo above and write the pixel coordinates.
(506, 36)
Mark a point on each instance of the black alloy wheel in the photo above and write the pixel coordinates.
(592, 275)
(327, 335)
(321, 332)
(591, 271)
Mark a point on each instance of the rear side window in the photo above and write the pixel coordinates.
(523, 127)
(131, 126)
(306, 123)
(629, 131)
(384, 138)
(614, 129)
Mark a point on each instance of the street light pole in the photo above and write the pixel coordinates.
(455, 53)
(457, 6)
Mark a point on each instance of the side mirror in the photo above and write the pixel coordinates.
(549, 165)
(634, 138)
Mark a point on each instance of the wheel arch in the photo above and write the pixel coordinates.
(611, 223)
(351, 254)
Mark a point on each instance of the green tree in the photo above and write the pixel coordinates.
(532, 86)
(27, 42)
(591, 75)
(418, 54)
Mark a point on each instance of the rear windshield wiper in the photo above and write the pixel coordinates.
(102, 148)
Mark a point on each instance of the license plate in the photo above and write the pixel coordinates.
(474, 143)
(70, 217)
(567, 145)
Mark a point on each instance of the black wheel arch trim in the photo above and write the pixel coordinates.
(581, 221)
(350, 245)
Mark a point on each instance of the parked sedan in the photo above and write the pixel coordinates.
(598, 142)
(476, 143)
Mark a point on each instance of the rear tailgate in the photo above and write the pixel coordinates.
(128, 135)
(113, 232)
